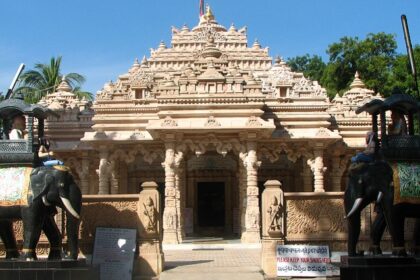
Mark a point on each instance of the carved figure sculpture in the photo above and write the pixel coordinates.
(150, 213)
(275, 215)
(35, 203)
(374, 183)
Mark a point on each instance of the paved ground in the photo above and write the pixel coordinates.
(212, 262)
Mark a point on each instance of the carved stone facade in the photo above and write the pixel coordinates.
(208, 108)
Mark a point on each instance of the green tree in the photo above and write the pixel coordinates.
(373, 57)
(45, 78)
(312, 67)
(401, 79)
(80, 93)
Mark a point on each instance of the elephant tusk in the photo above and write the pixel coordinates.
(380, 195)
(45, 201)
(69, 208)
(356, 205)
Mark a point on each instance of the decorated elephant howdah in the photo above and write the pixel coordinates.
(396, 192)
(32, 194)
(406, 182)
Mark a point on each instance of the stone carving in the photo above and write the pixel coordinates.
(274, 210)
(303, 216)
(137, 135)
(104, 172)
(206, 32)
(293, 152)
(253, 121)
(150, 213)
(129, 154)
(323, 132)
(169, 122)
(200, 146)
(303, 85)
(253, 218)
(142, 78)
(212, 122)
(280, 74)
(169, 220)
(316, 166)
(111, 214)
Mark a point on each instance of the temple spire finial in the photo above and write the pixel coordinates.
(357, 82)
(64, 85)
(209, 13)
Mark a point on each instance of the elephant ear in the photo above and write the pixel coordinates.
(40, 183)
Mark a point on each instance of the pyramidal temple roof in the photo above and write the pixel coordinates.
(213, 52)
(211, 79)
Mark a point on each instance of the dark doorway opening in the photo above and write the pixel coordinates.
(211, 204)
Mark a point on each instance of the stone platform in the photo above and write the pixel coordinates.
(384, 267)
(48, 270)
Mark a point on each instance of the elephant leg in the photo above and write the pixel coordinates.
(72, 226)
(8, 238)
(353, 233)
(33, 220)
(54, 237)
(377, 231)
(398, 220)
(416, 237)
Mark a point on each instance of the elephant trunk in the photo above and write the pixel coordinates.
(355, 207)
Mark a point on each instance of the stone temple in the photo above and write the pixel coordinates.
(210, 118)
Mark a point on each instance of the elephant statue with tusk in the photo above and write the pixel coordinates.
(32, 195)
(374, 183)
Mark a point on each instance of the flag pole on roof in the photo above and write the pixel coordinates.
(201, 8)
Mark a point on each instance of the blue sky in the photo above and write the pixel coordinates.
(101, 38)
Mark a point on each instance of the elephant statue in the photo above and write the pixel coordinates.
(48, 187)
(374, 183)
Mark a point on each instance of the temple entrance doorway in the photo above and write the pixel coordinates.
(211, 207)
(211, 196)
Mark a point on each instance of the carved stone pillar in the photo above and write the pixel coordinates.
(103, 172)
(273, 221)
(115, 177)
(123, 182)
(150, 262)
(252, 213)
(170, 217)
(84, 175)
(306, 176)
(318, 169)
(338, 167)
(273, 210)
(180, 197)
(335, 174)
(242, 197)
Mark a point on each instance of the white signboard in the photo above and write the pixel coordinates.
(302, 260)
(114, 251)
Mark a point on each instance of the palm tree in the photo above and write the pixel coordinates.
(45, 78)
(80, 93)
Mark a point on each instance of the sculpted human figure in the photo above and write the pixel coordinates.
(150, 212)
(18, 128)
(274, 212)
(398, 125)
